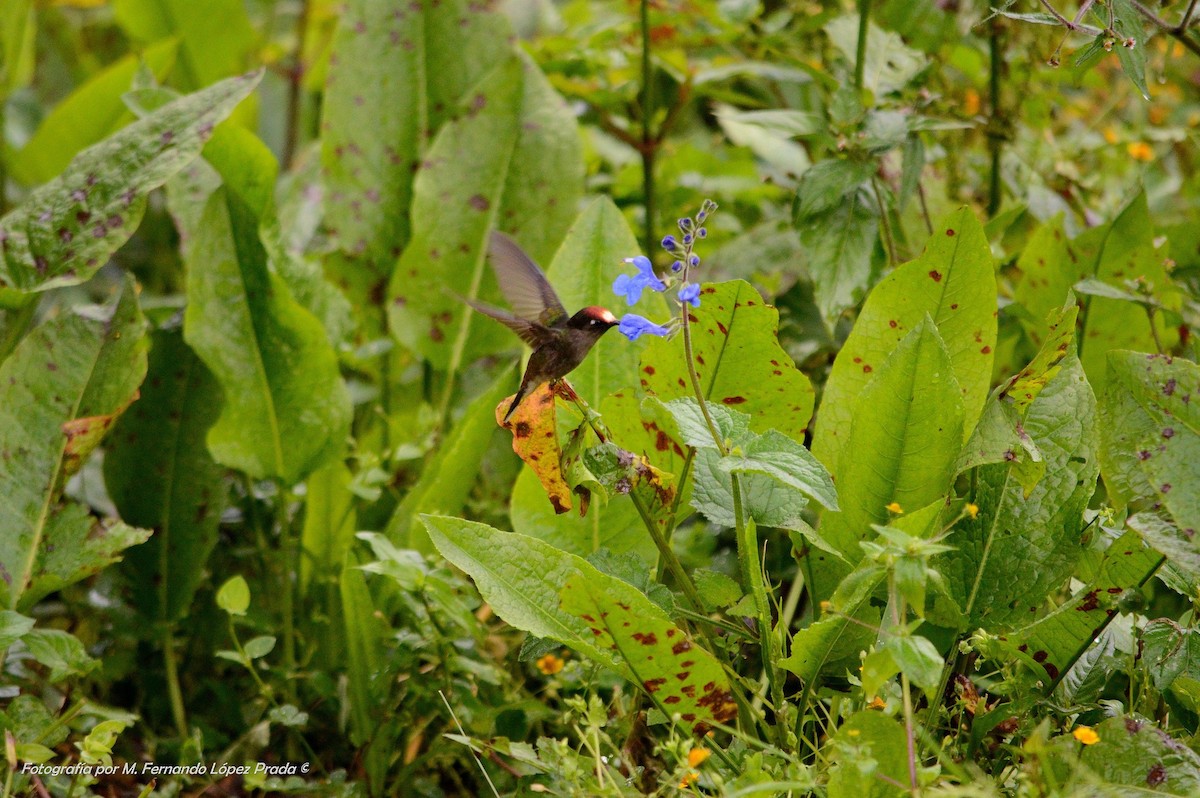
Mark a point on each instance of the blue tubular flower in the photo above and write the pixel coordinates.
(677, 266)
(669, 243)
(631, 287)
(690, 294)
(633, 325)
(628, 287)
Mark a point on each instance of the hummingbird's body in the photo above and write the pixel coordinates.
(560, 342)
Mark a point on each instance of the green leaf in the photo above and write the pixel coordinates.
(511, 161)
(67, 228)
(717, 590)
(738, 359)
(287, 410)
(890, 64)
(161, 477)
(784, 123)
(1023, 545)
(521, 577)
(329, 525)
(397, 73)
(838, 228)
(1131, 44)
(13, 625)
(1053, 641)
(1170, 541)
(18, 31)
(918, 659)
(215, 37)
(1124, 249)
(451, 472)
(1140, 756)
(831, 646)
(59, 651)
(61, 389)
(88, 114)
(905, 436)
(234, 596)
(679, 676)
(1170, 651)
(766, 500)
(260, 646)
(690, 426)
(785, 461)
(953, 282)
(365, 632)
(869, 758)
(1150, 434)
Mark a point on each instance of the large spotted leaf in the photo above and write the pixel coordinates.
(1150, 434)
(679, 676)
(73, 373)
(738, 359)
(68, 227)
(511, 161)
(396, 73)
(953, 282)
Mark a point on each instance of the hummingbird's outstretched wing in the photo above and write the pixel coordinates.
(531, 332)
(523, 284)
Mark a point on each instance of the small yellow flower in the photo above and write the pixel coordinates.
(688, 781)
(1110, 134)
(876, 703)
(1086, 735)
(971, 102)
(1157, 114)
(895, 507)
(826, 606)
(697, 756)
(973, 511)
(550, 664)
(1140, 151)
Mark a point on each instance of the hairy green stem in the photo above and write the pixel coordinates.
(860, 56)
(174, 693)
(885, 223)
(995, 142)
(295, 82)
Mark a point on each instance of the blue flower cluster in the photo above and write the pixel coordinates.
(630, 287)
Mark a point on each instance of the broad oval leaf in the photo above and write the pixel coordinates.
(70, 369)
(287, 410)
(738, 359)
(67, 228)
(954, 283)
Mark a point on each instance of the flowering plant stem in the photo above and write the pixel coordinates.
(747, 539)
(662, 541)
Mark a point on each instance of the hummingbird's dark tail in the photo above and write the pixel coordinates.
(516, 400)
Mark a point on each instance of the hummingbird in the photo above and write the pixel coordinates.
(560, 342)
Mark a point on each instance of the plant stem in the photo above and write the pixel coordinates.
(3, 167)
(174, 693)
(1186, 20)
(295, 80)
(649, 144)
(860, 56)
(289, 551)
(995, 142)
(885, 223)
(1158, 345)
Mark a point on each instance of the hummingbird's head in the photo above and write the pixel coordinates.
(594, 320)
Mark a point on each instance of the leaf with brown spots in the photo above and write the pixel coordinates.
(71, 372)
(160, 476)
(961, 300)
(519, 149)
(1150, 435)
(534, 427)
(411, 64)
(738, 359)
(65, 231)
(84, 435)
(677, 675)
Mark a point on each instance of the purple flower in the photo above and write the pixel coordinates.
(677, 266)
(631, 287)
(694, 260)
(633, 325)
(669, 243)
(691, 294)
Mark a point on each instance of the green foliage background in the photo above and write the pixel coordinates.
(905, 505)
